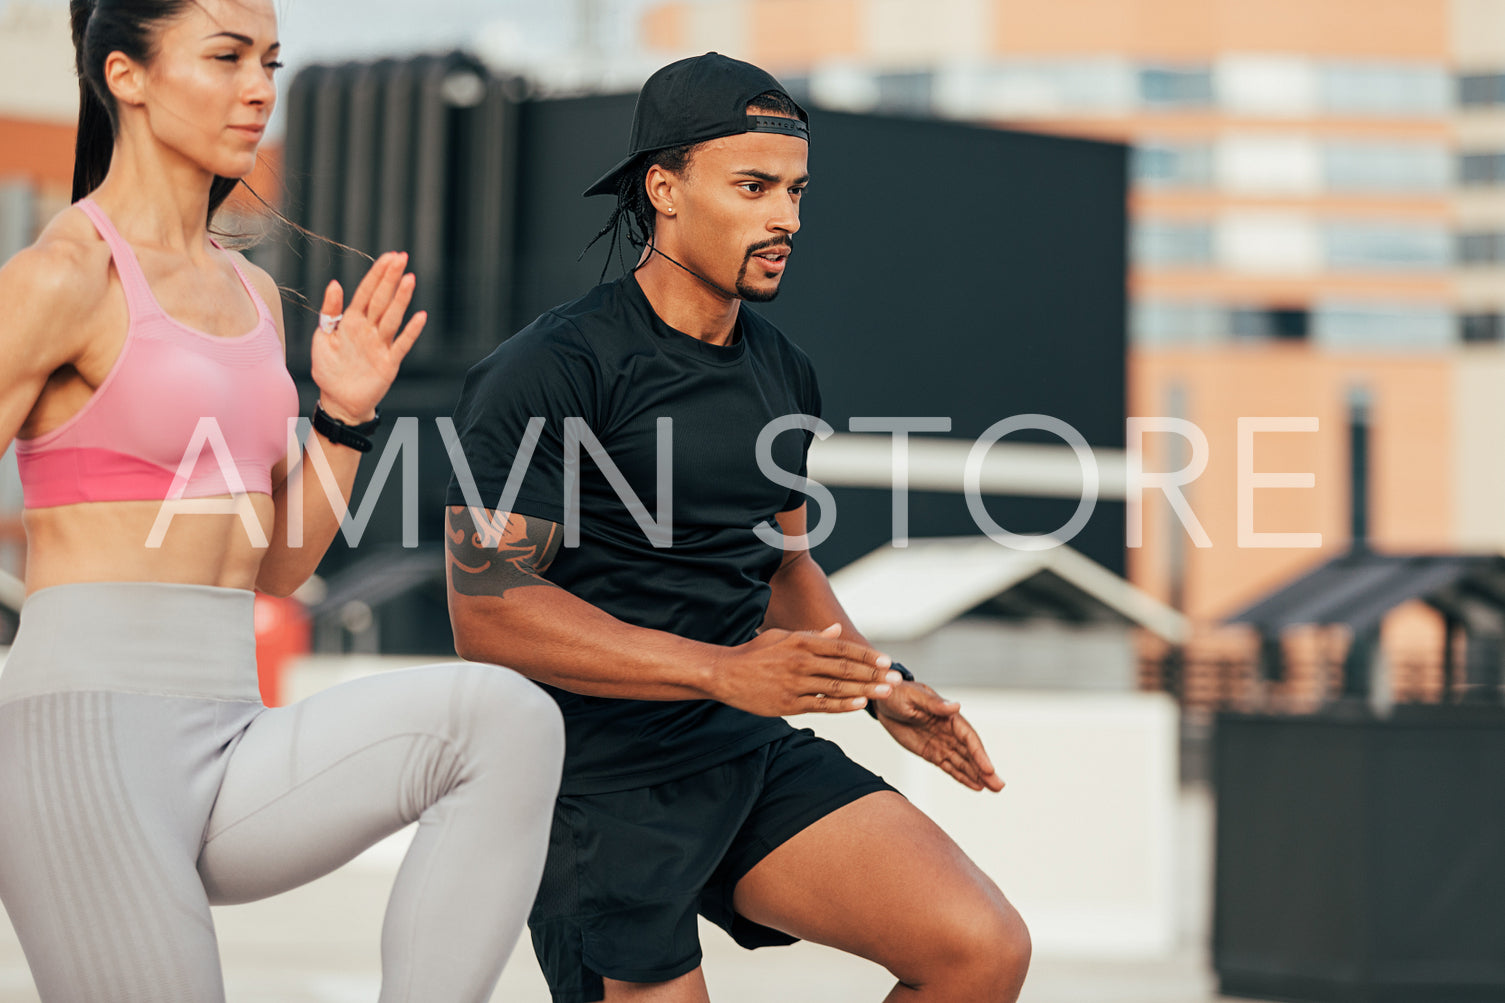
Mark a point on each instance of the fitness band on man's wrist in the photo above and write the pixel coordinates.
(872, 705)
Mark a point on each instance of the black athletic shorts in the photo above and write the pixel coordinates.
(629, 870)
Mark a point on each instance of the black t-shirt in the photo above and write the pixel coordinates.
(609, 361)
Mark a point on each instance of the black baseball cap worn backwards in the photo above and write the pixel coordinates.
(697, 99)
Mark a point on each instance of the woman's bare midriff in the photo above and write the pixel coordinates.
(110, 542)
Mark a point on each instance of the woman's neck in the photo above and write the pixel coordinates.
(156, 197)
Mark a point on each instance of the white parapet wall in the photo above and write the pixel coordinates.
(1082, 838)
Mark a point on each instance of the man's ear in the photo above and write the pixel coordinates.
(662, 186)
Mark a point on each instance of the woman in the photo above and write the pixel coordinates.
(141, 779)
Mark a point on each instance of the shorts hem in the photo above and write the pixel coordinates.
(647, 975)
(747, 934)
(801, 822)
(577, 996)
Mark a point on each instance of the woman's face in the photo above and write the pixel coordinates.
(208, 91)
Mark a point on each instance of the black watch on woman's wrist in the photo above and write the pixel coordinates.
(872, 705)
(357, 437)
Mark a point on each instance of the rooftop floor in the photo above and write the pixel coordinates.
(319, 944)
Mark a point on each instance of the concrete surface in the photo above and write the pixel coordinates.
(319, 944)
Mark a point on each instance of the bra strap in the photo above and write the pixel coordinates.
(138, 295)
(261, 307)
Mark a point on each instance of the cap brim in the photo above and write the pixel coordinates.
(606, 184)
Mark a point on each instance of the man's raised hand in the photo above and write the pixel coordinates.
(933, 729)
(783, 672)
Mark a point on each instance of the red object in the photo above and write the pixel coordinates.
(283, 631)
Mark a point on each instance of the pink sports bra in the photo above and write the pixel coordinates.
(129, 440)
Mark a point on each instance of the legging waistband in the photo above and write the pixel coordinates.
(135, 637)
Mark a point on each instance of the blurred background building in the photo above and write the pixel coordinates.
(1317, 207)
(1315, 201)
(1317, 228)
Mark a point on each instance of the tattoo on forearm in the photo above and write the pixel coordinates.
(491, 554)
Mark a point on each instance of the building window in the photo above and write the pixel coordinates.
(1482, 169)
(1481, 248)
(1371, 326)
(1168, 87)
(1481, 89)
(1265, 242)
(844, 88)
(1269, 164)
(18, 222)
(1032, 89)
(1173, 165)
(1370, 167)
(1386, 247)
(1163, 322)
(1384, 89)
(1172, 243)
(905, 93)
(1269, 323)
(1267, 85)
(1474, 328)
(797, 88)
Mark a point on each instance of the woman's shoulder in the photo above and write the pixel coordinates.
(261, 280)
(254, 273)
(62, 277)
(68, 265)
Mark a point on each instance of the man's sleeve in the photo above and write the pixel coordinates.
(811, 405)
(531, 382)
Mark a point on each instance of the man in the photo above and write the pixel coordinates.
(674, 642)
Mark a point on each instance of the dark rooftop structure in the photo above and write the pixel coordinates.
(1357, 591)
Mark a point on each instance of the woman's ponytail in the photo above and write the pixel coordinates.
(123, 27)
(96, 131)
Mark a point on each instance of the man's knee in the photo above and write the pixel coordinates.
(985, 947)
(1006, 950)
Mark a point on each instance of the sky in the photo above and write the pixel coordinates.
(527, 30)
(540, 39)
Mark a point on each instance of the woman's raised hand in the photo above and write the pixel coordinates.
(355, 358)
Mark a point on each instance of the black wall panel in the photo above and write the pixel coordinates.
(414, 155)
(1358, 858)
(942, 269)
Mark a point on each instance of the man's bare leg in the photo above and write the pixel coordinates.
(878, 879)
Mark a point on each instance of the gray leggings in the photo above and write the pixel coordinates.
(142, 779)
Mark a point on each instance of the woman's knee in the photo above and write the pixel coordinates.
(503, 695)
(508, 711)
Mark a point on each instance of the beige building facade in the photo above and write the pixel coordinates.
(1318, 230)
(1317, 209)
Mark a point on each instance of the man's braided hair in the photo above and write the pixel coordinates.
(634, 213)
